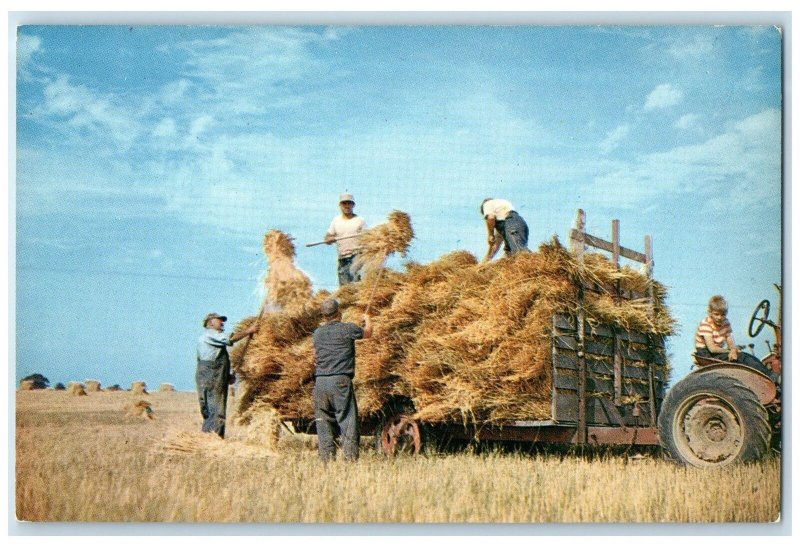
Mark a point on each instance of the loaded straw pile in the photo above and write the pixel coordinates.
(464, 341)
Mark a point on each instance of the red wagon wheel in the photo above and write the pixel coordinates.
(400, 435)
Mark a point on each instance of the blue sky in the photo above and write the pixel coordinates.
(151, 160)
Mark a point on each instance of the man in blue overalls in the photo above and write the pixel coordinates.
(214, 370)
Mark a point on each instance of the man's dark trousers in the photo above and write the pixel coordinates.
(346, 272)
(515, 233)
(212, 391)
(335, 403)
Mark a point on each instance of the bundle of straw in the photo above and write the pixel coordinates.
(76, 388)
(92, 385)
(394, 236)
(286, 284)
(140, 409)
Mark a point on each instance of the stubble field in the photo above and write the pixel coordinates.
(82, 459)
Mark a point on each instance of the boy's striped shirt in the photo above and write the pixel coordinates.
(718, 334)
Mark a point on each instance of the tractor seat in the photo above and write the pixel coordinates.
(706, 361)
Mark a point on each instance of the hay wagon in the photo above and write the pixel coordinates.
(607, 384)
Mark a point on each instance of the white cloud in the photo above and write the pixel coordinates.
(613, 138)
(165, 128)
(87, 110)
(247, 71)
(175, 91)
(198, 126)
(687, 121)
(738, 170)
(698, 46)
(27, 46)
(662, 96)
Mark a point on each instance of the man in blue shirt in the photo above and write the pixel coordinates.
(335, 366)
(214, 370)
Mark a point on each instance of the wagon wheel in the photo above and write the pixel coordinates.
(400, 434)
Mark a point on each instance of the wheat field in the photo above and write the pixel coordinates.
(85, 459)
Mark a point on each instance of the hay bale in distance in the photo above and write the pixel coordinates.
(76, 388)
(26, 385)
(115, 387)
(92, 385)
(168, 388)
(140, 409)
(139, 388)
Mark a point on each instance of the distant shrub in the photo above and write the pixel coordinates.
(37, 380)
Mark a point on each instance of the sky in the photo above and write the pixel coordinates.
(150, 161)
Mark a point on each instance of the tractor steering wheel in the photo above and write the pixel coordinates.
(759, 319)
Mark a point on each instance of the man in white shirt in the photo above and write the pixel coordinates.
(503, 220)
(343, 230)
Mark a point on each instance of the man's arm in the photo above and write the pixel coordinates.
(494, 240)
(252, 329)
(330, 235)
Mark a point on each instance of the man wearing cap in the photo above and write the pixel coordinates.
(214, 370)
(334, 368)
(502, 220)
(342, 230)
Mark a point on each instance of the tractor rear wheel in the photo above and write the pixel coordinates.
(711, 419)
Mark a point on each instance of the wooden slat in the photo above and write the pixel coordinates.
(568, 360)
(593, 241)
(605, 349)
(602, 385)
(563, 322)
(624, 294)
(555, 359)
(567, 411)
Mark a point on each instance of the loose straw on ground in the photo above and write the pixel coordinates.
(208, 445)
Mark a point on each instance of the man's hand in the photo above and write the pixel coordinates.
(329, 239)
(252, 329)
(733, 354)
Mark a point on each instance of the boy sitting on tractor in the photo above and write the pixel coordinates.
(714, 341)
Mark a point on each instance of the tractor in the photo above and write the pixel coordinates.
(724, 412)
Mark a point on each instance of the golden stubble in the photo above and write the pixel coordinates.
(84, 459)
